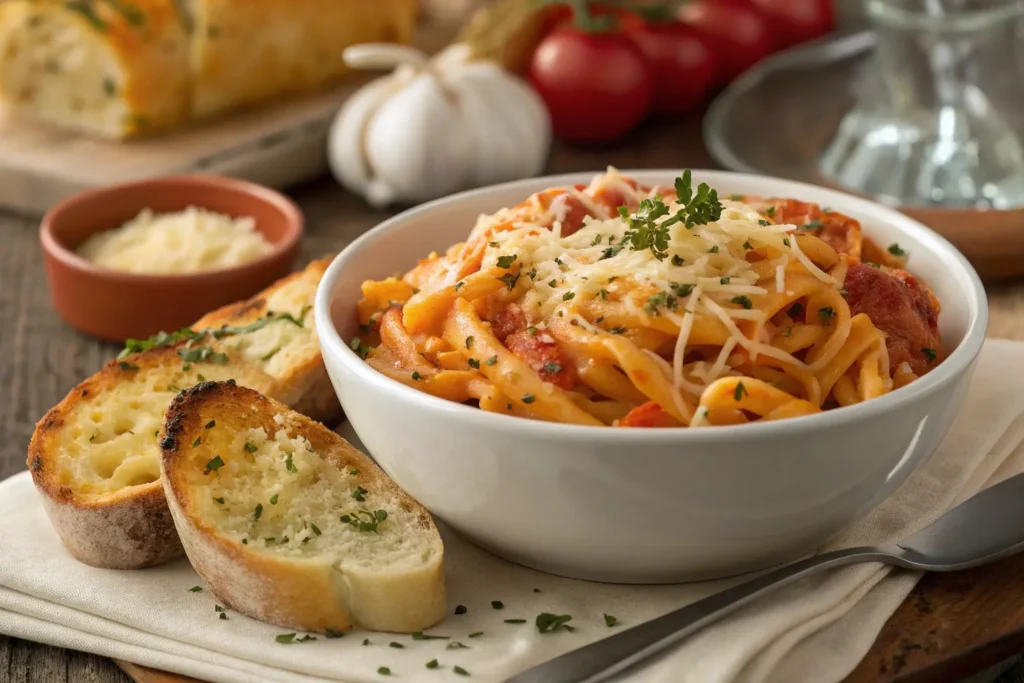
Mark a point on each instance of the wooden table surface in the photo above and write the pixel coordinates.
(952, 626)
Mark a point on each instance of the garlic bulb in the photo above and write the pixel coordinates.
(435, 126)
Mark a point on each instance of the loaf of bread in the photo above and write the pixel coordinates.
(95, 456)
(121, 69)
(289, 524)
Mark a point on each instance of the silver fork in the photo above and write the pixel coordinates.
(986, 528)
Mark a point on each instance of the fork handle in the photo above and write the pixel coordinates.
(609, 656)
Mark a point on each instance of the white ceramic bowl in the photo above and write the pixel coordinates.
(645, 506)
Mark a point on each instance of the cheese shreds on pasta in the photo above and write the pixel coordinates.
(720, 296)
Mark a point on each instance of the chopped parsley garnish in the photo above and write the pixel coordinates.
(354, 472)
(420, 635)
(617, 330)
(416, 375)
(660, 300)
(474, 363)
(125, 365)
(459, 670)
(258, 512)
(812, 225)
(460, 609)
(492, 360)
(725, 280)
(682, 290)
(203, 354)
(289, 465)
(316, 529)
(762, 222)
(195, 589)
(930, 354)
(769, 211)
(645, 232)
(219, 501)
(459, 285)
(456, 645)
(568, 296)
(214, 464)
(397, 646)
(612, 251)
(469, 341)
(603, 293)
(273, 499)
(383, 671)
(548, 623)
(610, 621)
(200, 377)
(552, 368)
(359, 347)
(532, 331)
(331, 633)
(432, 664)
(493, 244)
(747, 245)
(497, 604)
(795, 311)
(367, 525)
(286, 638)
(677, 260)
(527, 398)
(743, 301)
(785, 241)
(826, 313)
(713, 250)
(366, 641)
(198, 441)
(515, 621)
(552, 283)
(895, 250)
(506, 261)
(510, 280)
(359, 494)
(536, 590)
(250, 447)
(476, 634)
(559, 261)
(740, 392)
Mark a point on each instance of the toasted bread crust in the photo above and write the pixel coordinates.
(132, 527)
(296, 595)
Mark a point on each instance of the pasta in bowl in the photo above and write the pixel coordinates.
(836, 407)
(615, 303)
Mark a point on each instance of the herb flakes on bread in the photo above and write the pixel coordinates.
(95, 456)
(291, 525)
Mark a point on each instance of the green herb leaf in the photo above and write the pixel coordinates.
(331, 633)
(506, 261)
(211, 424)
(740, 392)
(677, 260)
(812, 225)
(930, 354)
(474, 363)
(568, 296)
(476, 634)
(895, 250)
(85, 8)
(214, 464)
(397, 646)
(197, 442)
(219, 501)
(286, 638)
(432, 664)
(548, 623)
(258, 512)
(289, 465)
(383, 671)
(359, 494)
(416, 375)
(195, 589)
(528, 398)
(126, 366)
(610, 621)
(420, 635)
(361, 349)
(456, 645)
(497, 604)
(743, 301)
(515, 621)
(459, 670)
(826, 313)
(460, 609)
(273, 499)
(250, 447)
(552, 368)
(469, 341)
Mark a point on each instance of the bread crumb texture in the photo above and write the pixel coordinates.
(276, 494)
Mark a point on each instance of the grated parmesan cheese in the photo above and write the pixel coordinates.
(188, 241)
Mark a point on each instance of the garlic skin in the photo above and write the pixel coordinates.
(435, 126)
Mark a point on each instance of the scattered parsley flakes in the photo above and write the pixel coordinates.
(740, 392)
(743, 301)
(197, 442)
(930, 354)
(397, 646)
(725, 280)
(610, 621)
(432, 664)
(497, 604)
(316, 529)
(219, 501)
(361, 349)
(273, 499)
(515, 621)
(366, 641)
(420, 635)
(360, 494)
(125, 365)
(713, 250)
(568, 296)
(506, 261)
(250, 447)
(552, 368)
(211, 424)
(527, 398)
(331, 633)
(510, 280)
(492, 360)
(286, 638)
(258, 511)
(677, 260)
(895, 250)
(459, 285)
(474, 363)
(476, 634)
(460, 609)
(826, 313)
(195, 589)
(416, 375)
(812, 225)
(532, 331)
(289, 465)
(469, 341)
(214, 464)
(456, 645)
(459, 670)
(383, 671)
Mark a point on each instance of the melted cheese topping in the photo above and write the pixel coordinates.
(189, 241)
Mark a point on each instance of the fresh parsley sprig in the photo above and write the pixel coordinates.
(649, 226)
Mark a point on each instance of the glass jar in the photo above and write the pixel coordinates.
(940, 114)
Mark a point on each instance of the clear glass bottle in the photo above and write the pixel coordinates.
(940, 116)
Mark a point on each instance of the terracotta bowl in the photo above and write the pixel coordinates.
(115, 305)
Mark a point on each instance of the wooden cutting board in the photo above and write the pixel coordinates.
(279, 144)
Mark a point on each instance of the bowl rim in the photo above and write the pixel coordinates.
(294, 220)
(953, 367)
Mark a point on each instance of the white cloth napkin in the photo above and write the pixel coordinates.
(815, 631)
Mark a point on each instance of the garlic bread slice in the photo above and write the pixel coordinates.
(95, 456)
(291, 525)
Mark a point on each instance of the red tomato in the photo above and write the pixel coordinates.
(797, 21)
(596, 85)
(681, 62)
(739, 36)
